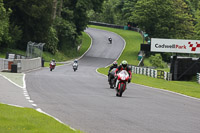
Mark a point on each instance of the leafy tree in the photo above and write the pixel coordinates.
(164, 19)
(107, 15)
(4, 25)
(33, 17)
(197, 26)
(156, 60)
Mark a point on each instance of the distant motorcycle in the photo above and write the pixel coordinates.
(110, 40)
(52, 66)
(122, 79)
(75, 66)
(112, 78)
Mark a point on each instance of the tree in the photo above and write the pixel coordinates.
(4, 25)
(197, 26)
(33, 17)
(164, 19)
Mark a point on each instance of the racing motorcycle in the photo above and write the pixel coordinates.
(75, 66)
(52, 66)
(112, 78)
(110, 40)
(122, 79)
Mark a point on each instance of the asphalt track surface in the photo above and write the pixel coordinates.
(83, 99)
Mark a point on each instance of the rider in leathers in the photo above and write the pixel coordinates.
(113, 66)
(124, 66)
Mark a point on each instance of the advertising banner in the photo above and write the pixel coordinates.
(175, 45)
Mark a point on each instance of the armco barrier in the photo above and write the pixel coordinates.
(151, 72)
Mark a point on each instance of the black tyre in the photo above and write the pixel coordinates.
(121, 90)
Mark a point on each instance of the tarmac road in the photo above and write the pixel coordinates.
(83, 99)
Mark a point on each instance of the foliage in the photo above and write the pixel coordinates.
(156, 61)
(168, 19)
(4, 25)
(32, 17)
(52, 41)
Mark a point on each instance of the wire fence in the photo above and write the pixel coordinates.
(34, 50)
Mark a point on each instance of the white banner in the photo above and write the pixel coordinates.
(175, 45)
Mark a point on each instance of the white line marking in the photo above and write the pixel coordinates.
(34, 105)
(11, 81)
(39, 110)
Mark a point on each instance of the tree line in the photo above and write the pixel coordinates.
(57, 23)
(179, 19)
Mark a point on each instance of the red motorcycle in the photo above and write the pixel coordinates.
(52, 66)
(122, 79)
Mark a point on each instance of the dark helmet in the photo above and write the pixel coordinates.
(124, 63)
(53, 60)
(115, 63)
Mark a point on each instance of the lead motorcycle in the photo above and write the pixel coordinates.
(122, 79)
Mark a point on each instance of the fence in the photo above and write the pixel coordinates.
(152, 72)
(198, 78)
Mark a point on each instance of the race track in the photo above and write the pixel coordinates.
(84, 100)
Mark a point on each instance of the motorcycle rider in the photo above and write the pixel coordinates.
(124, 66)
(110, 76)
(53, 62)
(110, 39)
(75, 63)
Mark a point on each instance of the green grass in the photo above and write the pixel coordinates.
(190, 88)
(26, 120)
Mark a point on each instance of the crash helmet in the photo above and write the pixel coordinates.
(75, 61)
(53, 60)
(115, 63)
(124, 63)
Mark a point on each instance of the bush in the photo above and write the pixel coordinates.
(156, 60)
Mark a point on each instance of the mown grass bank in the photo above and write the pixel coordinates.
(26, 120)
(133, 40)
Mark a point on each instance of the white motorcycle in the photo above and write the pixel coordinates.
(75, 66)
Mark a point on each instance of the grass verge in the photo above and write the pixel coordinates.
(133, 40)
(26, 120)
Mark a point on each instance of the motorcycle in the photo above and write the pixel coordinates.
(111, 78)
(52, 66)
(110, 40)
(122, 79)
(75, 66)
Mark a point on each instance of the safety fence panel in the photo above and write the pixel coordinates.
(198, 78)
(151, 72)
